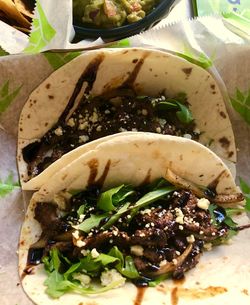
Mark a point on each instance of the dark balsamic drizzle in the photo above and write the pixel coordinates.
(139, 296)
(93, 166)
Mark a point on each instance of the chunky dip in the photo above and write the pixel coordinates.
(111, 13)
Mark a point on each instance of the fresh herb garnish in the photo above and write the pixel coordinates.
(113, 197)
(91, 222)
(59, 282)
(169, 104)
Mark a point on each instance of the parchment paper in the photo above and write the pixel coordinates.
(228, 59)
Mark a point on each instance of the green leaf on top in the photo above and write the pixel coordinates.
(7, 96)
(241, 103)
(8, 185)
(42, 32)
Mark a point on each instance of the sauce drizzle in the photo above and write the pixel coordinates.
(139, 296)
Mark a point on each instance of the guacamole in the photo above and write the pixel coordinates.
(111, 13)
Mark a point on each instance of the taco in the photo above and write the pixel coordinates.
(105, 92)
(112, 219)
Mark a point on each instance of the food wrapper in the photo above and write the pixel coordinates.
(206, 41)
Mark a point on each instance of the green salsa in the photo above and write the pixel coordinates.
(111, 13)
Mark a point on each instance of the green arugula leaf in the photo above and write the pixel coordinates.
(7, 186)
(42, 32)
(150, 198)
(184, 114)
(105, 201)
(211, 209)
(159, 279)
(116, 216)
(91, 222)
(57, 60)
(241, 103)
(81, 210)
(6, 97)
(246, 191)
(125, 266)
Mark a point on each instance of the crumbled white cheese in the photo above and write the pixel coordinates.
(181, 227)
(94, 117)
(83, 126)
(122, 129)
(197, 130)
(83, 278)
(162, 122)
(179, 216)
(137, 250)
(83, 139)
(203, 203)
(58, 132)
(208, 246)
(146, 211)
(99, 128)
(85, 252)
(190, 239)
(94, 253)
(158, 129)
(81, 217)
(174, 261)
(110, 276)
(187, 136)
(80, 243)
(71, 122)
(162, 263)
(178, 253)
(76, 234)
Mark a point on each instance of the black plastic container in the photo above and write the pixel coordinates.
(162, 10)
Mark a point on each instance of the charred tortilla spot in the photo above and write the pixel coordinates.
(146, 180)
(125, 52)
(181, 157)
(201, 175)
(134, 61)
(223, 115)
(47, 86)
(212, 86)
(46, 124)
(156, 75)
(166, 73)
(196, 92)
(225, 143)
(187, 71)
(230, 154)
(21, 129)
(150, 69)
(214, 92)
(51, 97)
(28, 116)
(245, 291)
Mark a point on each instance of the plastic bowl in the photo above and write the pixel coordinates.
(162, 9)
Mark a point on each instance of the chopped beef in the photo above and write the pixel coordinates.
(98, 117)
(167, 236)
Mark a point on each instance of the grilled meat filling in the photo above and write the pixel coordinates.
(98, 117)
(166, 237)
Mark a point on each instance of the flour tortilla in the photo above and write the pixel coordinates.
(185, 158)
(161, 72)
